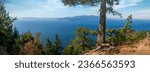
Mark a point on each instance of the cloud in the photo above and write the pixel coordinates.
(57, 4)
(55, 8)
(142, 14)
(128, 7)
(128, 3)
(36, 8)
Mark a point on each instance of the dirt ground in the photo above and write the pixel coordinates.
(140, 48)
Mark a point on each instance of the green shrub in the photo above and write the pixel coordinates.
(124, 35)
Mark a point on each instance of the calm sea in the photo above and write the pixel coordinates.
(66, 28)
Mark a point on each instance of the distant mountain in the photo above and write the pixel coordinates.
(84, 17)
(34, 18)
(75, 18)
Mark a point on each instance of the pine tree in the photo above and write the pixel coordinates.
(83, 41)
(48, 48)
(16, 46)
(57, 47)
(106, 6)
(7, 34)
(122, 35)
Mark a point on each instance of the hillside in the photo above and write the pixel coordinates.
(140, 48)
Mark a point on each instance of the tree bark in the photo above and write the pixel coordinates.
(102, 24)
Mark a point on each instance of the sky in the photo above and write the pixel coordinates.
(140, 9)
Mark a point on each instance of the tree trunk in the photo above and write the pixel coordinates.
(102, 24)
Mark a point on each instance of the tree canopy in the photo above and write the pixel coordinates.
(110, 4)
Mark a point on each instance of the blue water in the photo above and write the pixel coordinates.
(66, 28)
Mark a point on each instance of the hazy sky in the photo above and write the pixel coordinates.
(55, 9)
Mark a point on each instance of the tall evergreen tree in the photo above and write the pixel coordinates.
(105, 6)
(48, 48)
(82, 41)
(57, 47)
(8, 35)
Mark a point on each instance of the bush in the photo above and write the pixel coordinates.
(124, 35)
(136, 36)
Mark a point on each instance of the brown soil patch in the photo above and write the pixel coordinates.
(140, 48)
